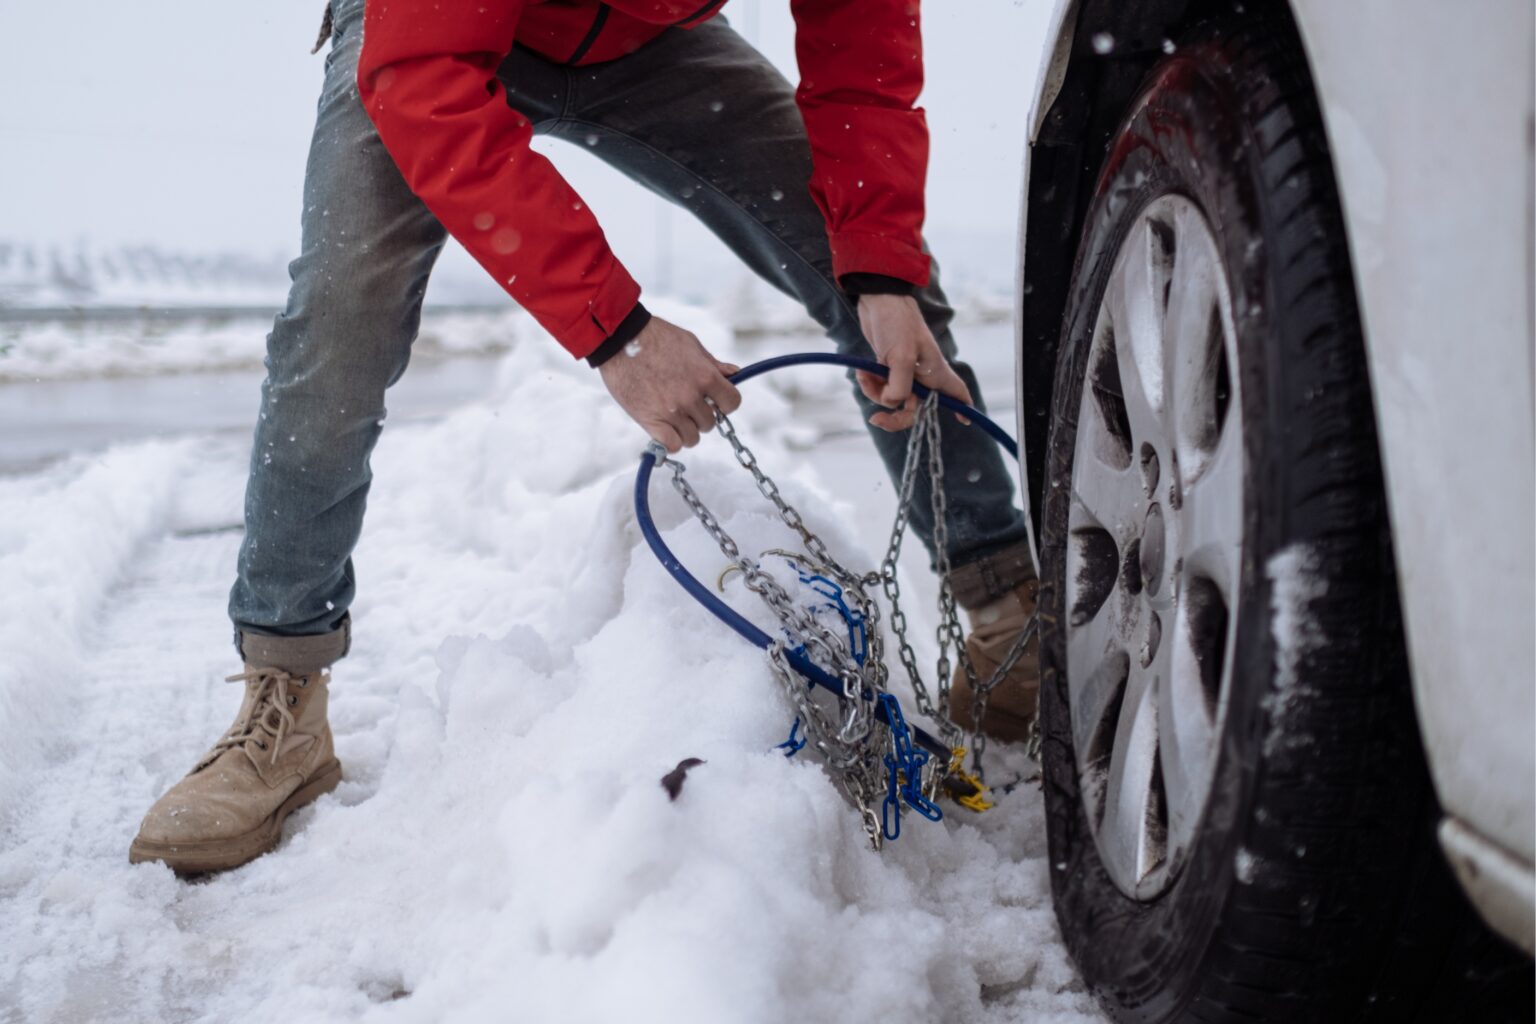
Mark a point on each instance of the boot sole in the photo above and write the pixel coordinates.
(223, 854)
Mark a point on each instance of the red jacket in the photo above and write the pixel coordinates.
(428, 80)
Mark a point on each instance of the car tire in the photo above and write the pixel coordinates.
(1292, 874)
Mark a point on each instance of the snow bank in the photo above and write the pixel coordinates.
(131, 347)
(523, 674)
(64, 276)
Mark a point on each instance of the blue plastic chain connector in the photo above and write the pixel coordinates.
(890, 810)
(905, 767)
(853, 621)
(795, 743)
(912, 793)
(858, 637)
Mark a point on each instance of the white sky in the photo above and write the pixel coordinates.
(186, 125)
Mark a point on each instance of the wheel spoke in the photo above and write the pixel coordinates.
(1135, 310)
(1096, 664)
(1130, 834)
(1211, 515)
(1191, 346)
(1185, 733)
(1102, 494)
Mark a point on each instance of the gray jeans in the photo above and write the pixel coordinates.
(369, 246)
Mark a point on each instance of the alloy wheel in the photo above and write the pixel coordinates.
(1154, 556)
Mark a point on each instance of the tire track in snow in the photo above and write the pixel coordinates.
(144, 698)
(66, 537)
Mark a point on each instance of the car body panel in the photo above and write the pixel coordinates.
(1500, 886)
(1428, 109)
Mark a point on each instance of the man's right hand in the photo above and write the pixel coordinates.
(662, 380)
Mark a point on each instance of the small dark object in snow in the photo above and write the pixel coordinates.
(672, 782)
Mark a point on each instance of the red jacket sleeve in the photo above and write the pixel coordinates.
(428, 80)
(861, 69)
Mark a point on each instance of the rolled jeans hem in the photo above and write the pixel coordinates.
(990, 577)
(300, 655)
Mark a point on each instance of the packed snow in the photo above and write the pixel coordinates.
(1296, 582)
(523, 674)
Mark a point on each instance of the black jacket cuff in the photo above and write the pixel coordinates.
(625, 333)
(875, 284)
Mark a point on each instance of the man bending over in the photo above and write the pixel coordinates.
(423, 130)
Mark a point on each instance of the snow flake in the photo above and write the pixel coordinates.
(506, 241)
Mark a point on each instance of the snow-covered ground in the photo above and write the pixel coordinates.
(523, 673)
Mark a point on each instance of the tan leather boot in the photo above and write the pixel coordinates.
(1011, 703)
(277, 757)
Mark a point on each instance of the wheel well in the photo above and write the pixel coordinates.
(1065, 161)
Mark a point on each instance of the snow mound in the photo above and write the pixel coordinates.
(136, 346)
(523, 674)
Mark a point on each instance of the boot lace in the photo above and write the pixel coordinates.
(272, 701)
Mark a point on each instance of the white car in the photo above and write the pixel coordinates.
(1275, 397)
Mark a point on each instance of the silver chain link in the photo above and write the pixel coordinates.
(925, 432)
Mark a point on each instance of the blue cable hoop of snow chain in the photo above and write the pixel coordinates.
(728, 615)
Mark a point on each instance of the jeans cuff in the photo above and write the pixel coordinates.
(992, 576)
(300, 655)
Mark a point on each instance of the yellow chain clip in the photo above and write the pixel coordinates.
(976, 800)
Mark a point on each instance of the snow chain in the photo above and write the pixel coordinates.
(868, 762)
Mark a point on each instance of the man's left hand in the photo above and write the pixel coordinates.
(903, 343)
